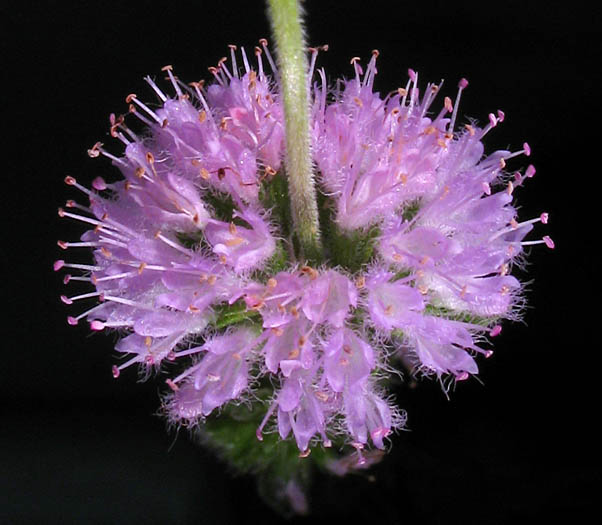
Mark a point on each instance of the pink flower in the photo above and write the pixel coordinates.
(392, 304)
(328, 298)
(241, 247)
(301, 411)
(195, 263)
(348, 360)
(368, 417)
(222, 375)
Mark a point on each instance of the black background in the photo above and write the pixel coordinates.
(77, 446)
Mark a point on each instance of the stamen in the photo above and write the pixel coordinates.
(495, 331)
(358, 448)
(119, 135)
(492, 124)
(233, 58)
(432, 91)
(264, 45)
(190, 351)
(173, 244)
(414, 92)
(513, 226)
(177, 89)
(128, 302)
(74, 320)
(461, 86)
(197, 88)
(68, 278)
(546, 239)
(358, 69)
(70, 181)
(133, 111)
(64, 245)
(525, 151)
(245, 61)
(258, 54)
(186, 373)
(118, 369)
(63, 213)
(69, 300)
(97, 326)
(265, 419)
(116, 276)
(221, 66)
(156, 89)
(133, 98)
(72, 204)
(447, 104)
(403, 92)
(310, 74)
(99, 184)
(371, 69)
(62, 264)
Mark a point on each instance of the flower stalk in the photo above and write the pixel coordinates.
(285, 17)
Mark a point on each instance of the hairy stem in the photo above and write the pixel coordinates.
(285, 17)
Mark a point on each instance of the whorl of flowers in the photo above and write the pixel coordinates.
(197, 267)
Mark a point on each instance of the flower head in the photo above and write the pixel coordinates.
(197, 266)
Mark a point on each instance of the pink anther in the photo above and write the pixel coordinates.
(495, 331)
(97, 326)
(549, 242)
(172, 385)
(462, 376)
(99, 184)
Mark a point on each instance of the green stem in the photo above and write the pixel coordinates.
(285, 17)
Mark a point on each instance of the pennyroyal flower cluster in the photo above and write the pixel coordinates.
(197, 267)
